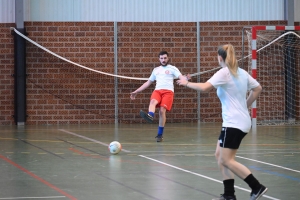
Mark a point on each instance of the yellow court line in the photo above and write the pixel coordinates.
(137, 128)
(44, 140)
(148, 143)
(59, 141)
(8, 139)
(32, 140)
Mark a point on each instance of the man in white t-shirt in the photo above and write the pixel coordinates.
(163, 95)
(232, 84)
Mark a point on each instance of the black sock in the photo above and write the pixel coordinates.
(229, 187)
(252, 182)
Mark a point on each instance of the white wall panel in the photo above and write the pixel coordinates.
(154, 10)
(7, 11)
(297, 10)
(147, 10)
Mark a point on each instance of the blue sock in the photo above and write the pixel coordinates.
(160, 130)
(151, 113)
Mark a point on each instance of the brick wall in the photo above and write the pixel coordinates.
(62, 93)
(6, 71)
(139, 45)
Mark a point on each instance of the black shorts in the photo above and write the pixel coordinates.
(231, 137)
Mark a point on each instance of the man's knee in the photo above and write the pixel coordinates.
(162, 110)
(153, 102)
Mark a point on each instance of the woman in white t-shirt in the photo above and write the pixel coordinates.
(232, 84)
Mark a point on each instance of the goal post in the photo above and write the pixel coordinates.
(274, 60)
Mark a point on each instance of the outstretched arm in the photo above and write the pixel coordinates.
(202, 87)
(184, 77)
(143, 87)
(254, 93)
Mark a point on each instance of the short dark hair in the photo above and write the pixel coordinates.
(163, 53)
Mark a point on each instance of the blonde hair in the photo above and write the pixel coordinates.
(228, 54)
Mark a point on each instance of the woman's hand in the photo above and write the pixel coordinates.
(183, 82)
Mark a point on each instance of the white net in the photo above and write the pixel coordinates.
(60, 90)
(278, 67)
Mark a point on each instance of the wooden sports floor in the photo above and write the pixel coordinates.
(73, 162)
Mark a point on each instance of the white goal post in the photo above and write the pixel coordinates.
(274, 60)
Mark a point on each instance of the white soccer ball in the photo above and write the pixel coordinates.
(114, 147)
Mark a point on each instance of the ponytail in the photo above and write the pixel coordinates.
(228, 55)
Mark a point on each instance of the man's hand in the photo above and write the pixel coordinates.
(188, 77)
(132, 95)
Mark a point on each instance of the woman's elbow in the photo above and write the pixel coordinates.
(258, 89)
(207, 87)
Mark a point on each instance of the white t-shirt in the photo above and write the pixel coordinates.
(164, 76)
(232, 92)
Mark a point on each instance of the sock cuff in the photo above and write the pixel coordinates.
(160, 130)
(252, 182)
(151, 113)
(249, 177)
(229, 187)
(228, 181)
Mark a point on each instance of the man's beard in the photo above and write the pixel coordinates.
(164, 64)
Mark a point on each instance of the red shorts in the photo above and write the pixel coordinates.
(164, 98)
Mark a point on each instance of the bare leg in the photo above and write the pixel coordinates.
(228, 165)
(226, 173)
(162, 116)
(152, 105)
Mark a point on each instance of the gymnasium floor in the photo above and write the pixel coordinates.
(73, 162)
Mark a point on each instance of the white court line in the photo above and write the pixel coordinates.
(90, 139)
(269, 164)
(190, 172)
(50, 197)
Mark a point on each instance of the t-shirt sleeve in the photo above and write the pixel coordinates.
(219, 78)
(152, 76)
(252, 83)
(176, 72)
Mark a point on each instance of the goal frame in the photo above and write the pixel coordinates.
(254, 58)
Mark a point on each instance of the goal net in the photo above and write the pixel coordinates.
(274, 60)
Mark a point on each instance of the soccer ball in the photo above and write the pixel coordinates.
(114, 147)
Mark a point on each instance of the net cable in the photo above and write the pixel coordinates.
(97, 71)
